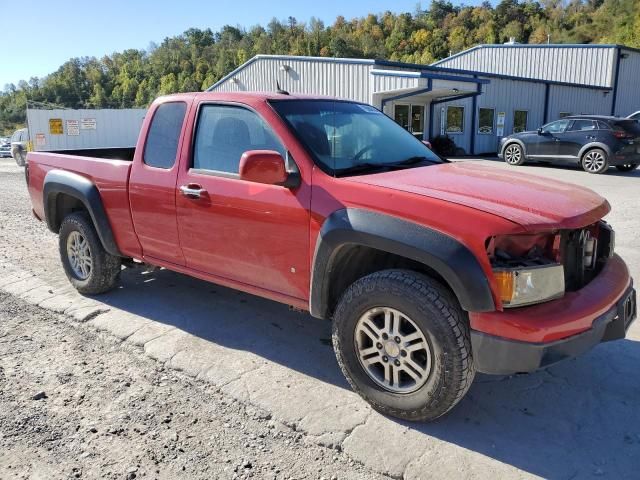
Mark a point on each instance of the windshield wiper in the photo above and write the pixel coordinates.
(406, 163)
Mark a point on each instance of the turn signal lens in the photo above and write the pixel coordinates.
(504, 280)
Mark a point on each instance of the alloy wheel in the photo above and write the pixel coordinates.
(392, 350)
(79, 255)
(594, 161)
(513, 154)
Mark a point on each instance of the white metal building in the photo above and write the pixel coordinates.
(475, 97)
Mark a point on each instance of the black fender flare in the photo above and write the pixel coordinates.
(58, 182)
(452, 260)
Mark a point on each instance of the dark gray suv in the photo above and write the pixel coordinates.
(595, 142)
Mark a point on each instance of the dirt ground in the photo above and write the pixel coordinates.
(79, 404)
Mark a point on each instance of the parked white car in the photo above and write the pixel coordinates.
(635, 115)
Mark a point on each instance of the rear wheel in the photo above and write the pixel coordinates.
(402, 342)
(595, 161)
(627, 167)
(513, 154)
(89, 267)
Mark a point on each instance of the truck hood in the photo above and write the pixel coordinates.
(530, 201)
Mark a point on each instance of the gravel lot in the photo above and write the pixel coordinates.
(172, 372)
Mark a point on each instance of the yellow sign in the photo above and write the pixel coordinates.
(55, 126)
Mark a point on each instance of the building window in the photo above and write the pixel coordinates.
(564, 114)
(520, 121)
(455, 120)
(485, 120)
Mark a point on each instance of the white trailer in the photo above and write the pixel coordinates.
(60, 130)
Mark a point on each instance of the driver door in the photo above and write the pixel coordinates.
(547, 143)
(252, 233)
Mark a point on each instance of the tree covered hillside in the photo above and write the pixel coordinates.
(197, 58)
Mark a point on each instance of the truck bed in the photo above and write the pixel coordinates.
(110, 177)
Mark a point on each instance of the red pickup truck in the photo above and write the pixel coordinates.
(429, 270)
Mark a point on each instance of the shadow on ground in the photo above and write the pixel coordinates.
(577, 419)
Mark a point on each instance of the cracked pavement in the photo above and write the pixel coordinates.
(579, 418)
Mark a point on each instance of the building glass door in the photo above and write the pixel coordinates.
(411, 118)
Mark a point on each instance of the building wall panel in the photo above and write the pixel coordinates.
(587, 66)
(628, 98)
(310, 77)
(577, 100)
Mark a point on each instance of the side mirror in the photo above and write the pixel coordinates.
(263, 166)
(540, 131)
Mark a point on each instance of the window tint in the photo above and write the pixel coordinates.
(579, 125)
(225, 133)
(162, 141)
(556, 127)
(485, 120)
(520, 121)
(603, 125)
(628, 126)
(455, 119)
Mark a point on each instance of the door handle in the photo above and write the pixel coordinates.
(591, 137)
(192, 190)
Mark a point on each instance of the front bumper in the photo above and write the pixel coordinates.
(500, 356)
(528, 338)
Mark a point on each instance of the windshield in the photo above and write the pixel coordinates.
(347, 137)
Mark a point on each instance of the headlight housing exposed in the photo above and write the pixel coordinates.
(527, 268)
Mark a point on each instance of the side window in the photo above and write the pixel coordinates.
(558, 126)
(580, 125)
(603, 125)
(225, 132)
(520, 121)
(485, 120)
(161, 147)
(455, 120)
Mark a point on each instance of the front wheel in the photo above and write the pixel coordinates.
(513, 154)
(595, 161)
(402, 342)
(89, 267)
(628, 167)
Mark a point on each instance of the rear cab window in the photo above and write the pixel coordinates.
(161, 147)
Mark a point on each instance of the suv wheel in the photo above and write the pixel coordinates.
(89, 267)
(513, 154)
(627, 167)
(595, 161)
(402, 342)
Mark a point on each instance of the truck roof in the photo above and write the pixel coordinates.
(251, 96)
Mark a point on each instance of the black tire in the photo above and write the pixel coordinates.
(595, 161)
(21, 158)
(437, 313)
(105, 267)
(627, 168)
(513, 154)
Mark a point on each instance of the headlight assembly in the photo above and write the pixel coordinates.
(520, 286)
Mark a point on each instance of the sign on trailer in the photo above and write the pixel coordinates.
(55, 126)
(88, 124)
(73, 127)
